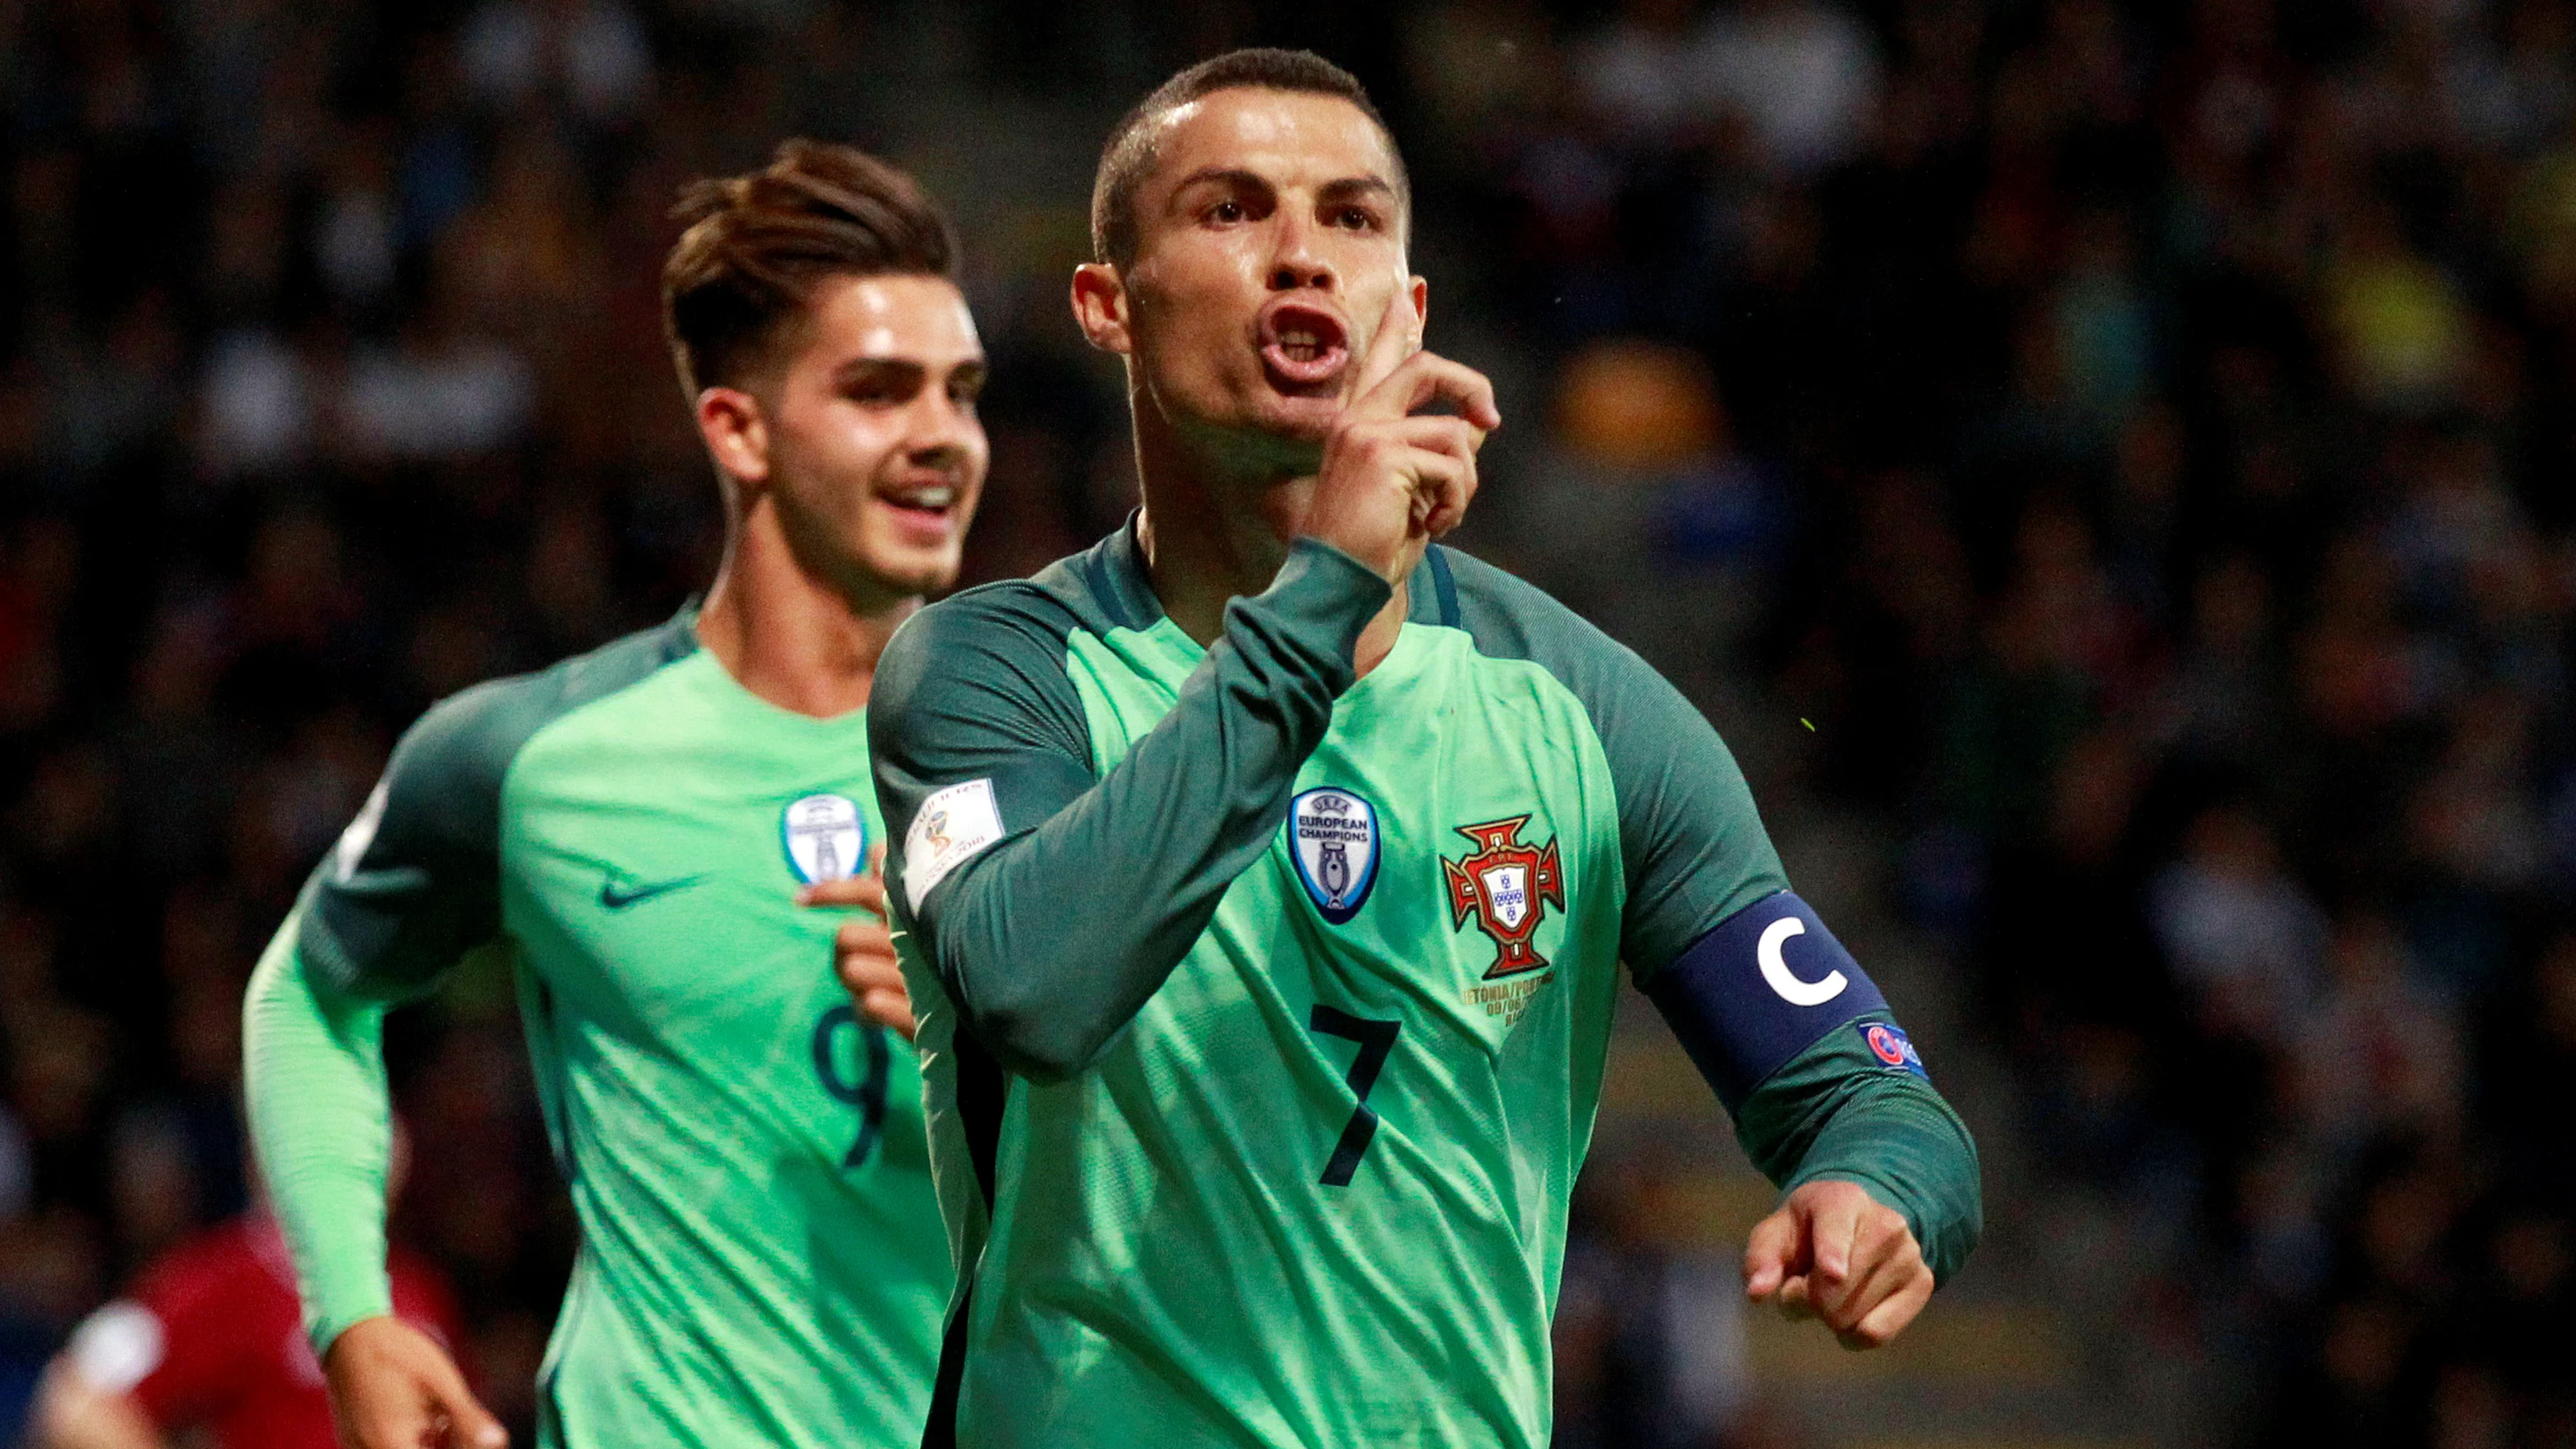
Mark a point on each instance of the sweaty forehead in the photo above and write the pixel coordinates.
(919, 318)
(1286, 137)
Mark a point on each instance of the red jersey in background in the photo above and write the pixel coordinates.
(212, 1336)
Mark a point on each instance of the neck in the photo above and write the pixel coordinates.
(1210, 533)
(794, 639)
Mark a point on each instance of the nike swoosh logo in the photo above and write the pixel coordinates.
(618, 897)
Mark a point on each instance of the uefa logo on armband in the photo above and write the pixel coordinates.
(1893, 1048)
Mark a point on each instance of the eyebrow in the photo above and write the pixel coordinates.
(1234, 175)
(858, 367)
(1342, 188)
(1355, 186)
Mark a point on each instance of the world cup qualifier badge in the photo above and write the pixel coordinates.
(1333, 843)
(1507, 887)
(826, 838)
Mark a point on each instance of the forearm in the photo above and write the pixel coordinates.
(1834, 1114)
(321, 1121)
(1051, 941)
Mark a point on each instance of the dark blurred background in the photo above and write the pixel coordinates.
(2106, 466)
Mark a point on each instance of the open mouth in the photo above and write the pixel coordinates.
(1302, 344)
(925, 505)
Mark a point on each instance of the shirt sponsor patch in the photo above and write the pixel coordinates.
(953, 824)
(1893, 1048)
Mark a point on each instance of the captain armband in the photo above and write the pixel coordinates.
(1764, 985)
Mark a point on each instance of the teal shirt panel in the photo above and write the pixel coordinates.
(761, 1260)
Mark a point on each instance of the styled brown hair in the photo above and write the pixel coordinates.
(758, 244)
(1129, 155)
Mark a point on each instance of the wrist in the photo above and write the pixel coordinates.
(1322, 599)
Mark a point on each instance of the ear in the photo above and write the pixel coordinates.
(736, 435)
(1100, 307)
(1421, 306)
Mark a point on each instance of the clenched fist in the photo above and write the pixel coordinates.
(1834, 1252)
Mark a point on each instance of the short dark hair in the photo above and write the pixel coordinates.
(758, 244)
(1129, 155)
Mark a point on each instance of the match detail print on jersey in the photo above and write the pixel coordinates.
(1333, 842)
(952, 825)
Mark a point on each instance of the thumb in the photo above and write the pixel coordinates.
(470, 1425)
(1771, 1252)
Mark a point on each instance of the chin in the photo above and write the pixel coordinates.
(1305, 419)
(1284, 431)
(909, 572)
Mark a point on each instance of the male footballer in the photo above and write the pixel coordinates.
(1267, 869)
(761, 1258)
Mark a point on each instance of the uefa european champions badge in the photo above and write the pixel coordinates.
(826, 837)
(1332, 840)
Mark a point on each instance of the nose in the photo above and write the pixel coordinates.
(1296, 264)
(944, 433)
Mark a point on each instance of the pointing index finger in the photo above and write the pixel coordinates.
(1392, 344)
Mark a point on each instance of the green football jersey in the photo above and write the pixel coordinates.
(1265, 1011)
(761, 1259)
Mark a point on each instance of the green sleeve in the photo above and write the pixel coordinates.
(974, 726)
(414, 883)
(314, 1077)
(412, 886)
(1695, 856)
(1835, 1113)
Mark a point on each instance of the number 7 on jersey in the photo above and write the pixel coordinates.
(1374, 1039)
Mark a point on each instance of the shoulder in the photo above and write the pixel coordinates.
(1015, 612)
(1509, 617)
(1082, 592)
(1007, 639)
(468, 739)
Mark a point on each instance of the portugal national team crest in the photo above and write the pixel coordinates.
(827, 838)
(1507, 887)
(1332, 840)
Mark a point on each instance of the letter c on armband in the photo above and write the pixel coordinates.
(1785, 981)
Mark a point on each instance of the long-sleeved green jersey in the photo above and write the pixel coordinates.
(761, 1258)
(1264, 1011)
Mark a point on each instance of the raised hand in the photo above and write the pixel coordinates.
(393, 1387)
(863, 951)
(1393, 479)
(1834, 1252)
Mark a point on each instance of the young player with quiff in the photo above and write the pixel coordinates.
(1267, 869)
(648, 832)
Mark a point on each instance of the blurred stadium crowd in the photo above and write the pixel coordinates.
(2127, 446)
